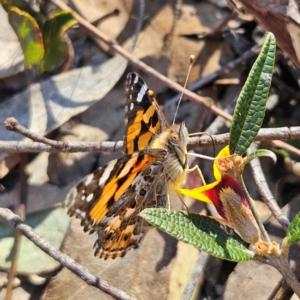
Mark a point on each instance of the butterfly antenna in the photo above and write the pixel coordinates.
(192, 60)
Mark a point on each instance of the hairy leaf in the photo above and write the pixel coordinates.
(251, 104)
(202, 232)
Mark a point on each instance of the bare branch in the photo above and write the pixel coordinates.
(12, 220)
(265, 191)
(214, 75)
(42, 144)
(12, 124)
(66, 146)
(141, 65)
(196, 275)
(287, 147)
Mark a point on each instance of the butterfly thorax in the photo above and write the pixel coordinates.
(174, 140)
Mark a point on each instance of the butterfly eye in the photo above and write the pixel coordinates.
(174, 138)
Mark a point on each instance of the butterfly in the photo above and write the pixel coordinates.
(109, 200)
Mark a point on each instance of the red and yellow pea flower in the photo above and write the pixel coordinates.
(228, 197)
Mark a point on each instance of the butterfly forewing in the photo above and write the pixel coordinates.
(95, 196)
(144, 118)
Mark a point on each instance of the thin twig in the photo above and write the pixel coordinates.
(12, 220)
(287, 147)
(12, 124)
(141, 65)
(17, 236)
(42, 144)
(212, 76)
(66, 146)
(265, 191)
(219, 26)
(280, 262)
(195, 277)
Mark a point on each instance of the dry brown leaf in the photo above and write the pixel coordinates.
(280, 17)
(48, 104)
(11, 58)
(144, 272)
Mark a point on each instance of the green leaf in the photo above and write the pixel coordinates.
(251, 104)
(29, 35)
(259, 153)
(56, 50)
(293, 232)
(52, 225)
(202, 232)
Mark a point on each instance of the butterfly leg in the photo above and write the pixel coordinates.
(181, 199)
(196, 168)
(169, 204)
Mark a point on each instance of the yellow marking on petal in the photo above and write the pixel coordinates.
(197, 193)
(223, 153)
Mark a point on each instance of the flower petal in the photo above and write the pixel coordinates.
(223, 153)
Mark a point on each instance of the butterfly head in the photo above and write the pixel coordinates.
(177, 142)
(174, 139)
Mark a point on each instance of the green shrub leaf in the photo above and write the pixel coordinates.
(251, 104)
(293, 232)
(29, 35)
(202, 232)
(54, 28)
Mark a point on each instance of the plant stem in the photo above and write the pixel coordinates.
(282, 265)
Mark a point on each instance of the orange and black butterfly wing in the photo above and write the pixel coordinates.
(122, 228)
(109, 200)
(143, 116)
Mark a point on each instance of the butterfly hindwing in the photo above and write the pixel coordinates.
(122, 228)
(111, 191)
(144, 118)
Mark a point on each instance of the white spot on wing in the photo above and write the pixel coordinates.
(131, 106)
(89, 197)
(82, 197)
(88, 179)
(136, 79)
(142, 93)
(106, 174)
(72, 203)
